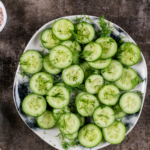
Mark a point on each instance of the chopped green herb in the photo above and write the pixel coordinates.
(65, 144)
(76, 87)
(43, 48)
(139, 93)
(106, 29)
(83, 18)
(142, 80)
(24, 74)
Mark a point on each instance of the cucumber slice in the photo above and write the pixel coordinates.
(128, 80)
(58, 97)
(71, 136)
(84, 33)
(48, 66)
(108, 45)
(73, 75)
(46, 120)
(113, 72)
(68, 123)
(48, 39)
(90, 135)
(104, 116)
(114, 134)
(109, 94)
(63, 29)
(34, 105)
(57, 112)
(129, 54)
(100, 63)
(93, 83)
(75, 48)
(41, 82)
(88, 70)
(31, 61)
(92, 51)
(61, 57)
(130, 102)
(118, 112)
(86, 104)
(81, 118)
(73, 45)
(77, 97)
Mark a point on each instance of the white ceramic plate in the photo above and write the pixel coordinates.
(5, 16)
(21, 88)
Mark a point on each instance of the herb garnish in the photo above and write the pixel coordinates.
(83, 18)
(76, 87)
(23, 74)
(43, 48)
(65, 144)
(106, 29)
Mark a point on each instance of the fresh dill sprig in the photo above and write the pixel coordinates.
(83, 18)
(56, 81)
(142, 80)
(75, 87)
(135, 81)
(65, 144)
(106, 29)
(24, 74)
(121, 41)
(139, 93)
(43, 48)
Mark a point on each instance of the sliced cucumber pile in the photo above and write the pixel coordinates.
(88, 70)
(49, 67)
(92, 51)
(75, 48)
(129, 54)
(113, 72)
(77, 97)
(34, 105)
(104, 116)
(71, 136)
(108, 45)
(93, 83)
(128, 80)
(41, 82)
(62, 29)
(57, 112)
(61, 57)
(46, 120)
(118, 111)
(100, 63)
(82, 119)
(90, 135)
(109, 94)
(31, 61)
(91, 75)
(86, 104)
(115, 133)
(68, 123)
(58, 97)
(73, 75)
(48, 39)
(84, 33)
(130, 102)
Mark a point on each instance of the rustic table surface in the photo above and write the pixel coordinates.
(25, 17)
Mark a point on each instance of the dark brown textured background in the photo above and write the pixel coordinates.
(27, 16)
